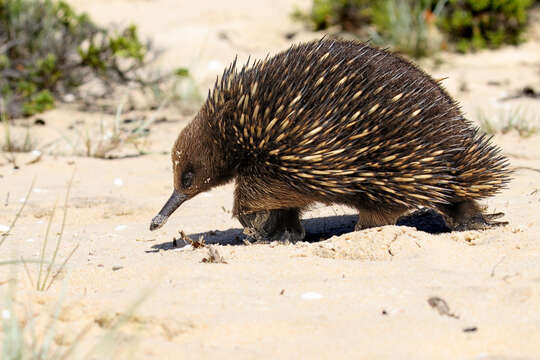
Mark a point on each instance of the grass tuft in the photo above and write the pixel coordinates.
(516, 119)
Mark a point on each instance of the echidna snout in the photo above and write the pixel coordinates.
(170, 206)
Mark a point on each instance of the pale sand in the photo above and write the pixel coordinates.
(361, 295)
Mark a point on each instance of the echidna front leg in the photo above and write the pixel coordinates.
(269, 209)
(271, 225)
(469, 215)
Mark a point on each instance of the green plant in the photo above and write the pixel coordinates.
(474, 24)
(47, 50)
(408, 26)
(350, 14)
(413, 26)
(515, 119)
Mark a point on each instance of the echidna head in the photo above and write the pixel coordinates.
(198, 165)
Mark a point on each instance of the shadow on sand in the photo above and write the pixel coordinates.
(318, 229)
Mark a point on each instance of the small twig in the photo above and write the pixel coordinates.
(495, 266)
(194, 243)
(213, 256)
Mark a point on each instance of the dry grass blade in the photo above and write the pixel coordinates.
(42, 256)
(27, 271)
(6, 234)
(28, 261)
(59, 241)
(62, 266)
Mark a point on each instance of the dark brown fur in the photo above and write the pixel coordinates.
(338, 122)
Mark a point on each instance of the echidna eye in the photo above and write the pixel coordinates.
(187, 178)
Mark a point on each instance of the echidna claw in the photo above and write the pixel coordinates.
(496, 223)
(495, 216)
(481, 222)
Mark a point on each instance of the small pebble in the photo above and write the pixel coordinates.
(6, 315)
(311, 296)
(118, 182)
(115, 268)
(4, 228)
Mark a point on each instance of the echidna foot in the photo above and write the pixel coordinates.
(480, 222)
(273, 225)
(468, 215)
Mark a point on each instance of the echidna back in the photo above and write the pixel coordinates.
(343, 119)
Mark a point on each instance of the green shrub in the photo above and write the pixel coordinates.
(414, 26)
(47, 49)
(408, 26)
(349, 14)
(476, 24)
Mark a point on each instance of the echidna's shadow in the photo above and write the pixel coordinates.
(321, 228)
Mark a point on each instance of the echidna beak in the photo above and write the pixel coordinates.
(170, 206)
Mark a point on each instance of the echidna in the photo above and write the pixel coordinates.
(335, 122)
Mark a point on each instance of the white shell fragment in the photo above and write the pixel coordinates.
(214, 65)
(6, 315)
(118, 182)
(4, 228)
(184, 248)
(311, 296)
(120, 227)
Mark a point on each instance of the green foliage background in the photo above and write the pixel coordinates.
(47, 49)
(468, 24)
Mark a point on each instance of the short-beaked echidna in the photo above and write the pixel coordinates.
(335, 122)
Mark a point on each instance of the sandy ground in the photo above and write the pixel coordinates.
(361, 295)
